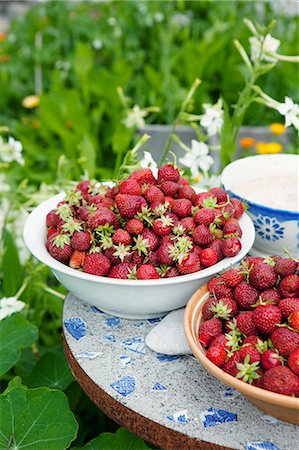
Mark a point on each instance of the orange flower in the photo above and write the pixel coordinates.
(246, 142)
(2, 37)
(277, 128)
(4, 58)
(265, 148)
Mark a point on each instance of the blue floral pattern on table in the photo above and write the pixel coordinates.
(261, 445)
(76, 327)
(229, 393)
(125, 360)
(88, 355)
(125, 385)
(110, 337)
(155, 320)
(159, 387)
(112, 322)
(136, 345)
(167, 358)
(215, 416)
(268, 228)
(179, 417)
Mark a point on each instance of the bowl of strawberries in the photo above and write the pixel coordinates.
(243, 326)
(140, 247)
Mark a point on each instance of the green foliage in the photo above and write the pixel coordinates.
(11, 268)
(121, 440)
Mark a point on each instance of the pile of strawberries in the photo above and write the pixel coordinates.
(143, 227)
(251, 323)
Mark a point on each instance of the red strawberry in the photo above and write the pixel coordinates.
(96, 264)
(224, 308)
(189, 265)
(238, 206)
(245, 323)
(163, 225)
(163, 254)
(206, 309)
(129, 205)
(230, 366)
(289, 286)
(209, 330)
(153, 193)
(266, 318)
(112, 192)
(204, 216)
(202, 235)
(168, 172)
(258, 382)
(134, 226)
(245, 295)
(208, 257)
(170, 188)
(270, 295)
(293, 361)
(270, 358)
(213, 282)
(219, 193)
(285, 340)
(169, 200)
(108, 202)
(183, 180)
(201, 197)
(59, 247)
(96, 200)
(217, 247)
(83, 213)
(51, 232)
(136, 258)
(189, 224)
(231, 246)
(285, 266)
(232, 226)
(217, 350)
(143, 176)
(187, 192)
(152, 259)
(294, 320)
(83, 186)
(232, 277)
(121, 237)
(52, 219)
(121, 270)
(182, 207)
(147, 272)
(77, 259)
(102, 217)
(130, 186)
(222, 291)
(151, 237)
(173, 216)
(262, 276)
(172, 272)
(81, 241)
(282, 380)
(238, 357)
(288, 305)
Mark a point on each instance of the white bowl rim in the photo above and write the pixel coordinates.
(269, 209)
(51, 262)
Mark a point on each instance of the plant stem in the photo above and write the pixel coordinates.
(53, 292)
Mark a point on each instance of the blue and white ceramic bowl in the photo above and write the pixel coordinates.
(273, 180)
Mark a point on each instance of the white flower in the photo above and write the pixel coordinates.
(10, 305)
(267, 53)
(181, 20)
(207, 182)
(197, 158)
(111, 21)
(11, 150)
(135, 117)
(148, 162)
(4, 187)
(159, 17)
(97, 44)
(212, 119)
(290, 111)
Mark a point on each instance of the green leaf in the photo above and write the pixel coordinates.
(121, 138)
(38, 419)
(52, 371)
(11, 268)
(121, 440)
(16, 333)
(228, 146)
(88, 155)
(83, 63)
(14, 382)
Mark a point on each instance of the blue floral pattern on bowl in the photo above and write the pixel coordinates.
(268, 228)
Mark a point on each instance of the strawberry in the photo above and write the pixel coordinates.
(102, 217)
(219, 193)
(172, 272)
(238, 206)
(281, 380)
(182, 207)
(231, 246)
(293, 361)
(230, 366)
(112, 192)
(108, 202)
(285, 266)
(202, 196)
(147, 272)
(266, 318)
(209, 330)
(163, 225)
(222, 291)
(190, 264)
(208, 257)
(134, 226)
(289, 286)
(187, 192)
(152, 259)
(153, 193)
(129, 205)
(52, 219)
(169, 201)
(285, 340)
(151, 237)
(83, 213)
(245, 295)
(202, 235)
(51, 231)
(96, 264)
(130, 186)
(189, 224)
(59, 247)
(83, 186)
(164, 254)
(143, 176)
(232, 277)
(224, 308)
(168, 172)
(96, 200)
(232, 226)
(136, 258)
(294, 320)
(173, 216)
(121, 237)
(204, 216)
(121, 270)
(183, 180)
(270, 358)
(170, 188)
(77, 259)
(217, 350)
(270, 296)
(245, 355)
(206, 309)
(81, 241)
(216, 246)
(262, 276)
(245, 323)
(288, 305)
(213, 282)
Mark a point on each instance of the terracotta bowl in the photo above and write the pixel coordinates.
(277, 405)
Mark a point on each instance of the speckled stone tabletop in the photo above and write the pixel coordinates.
(173, 391)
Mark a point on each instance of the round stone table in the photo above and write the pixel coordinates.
(170, 401)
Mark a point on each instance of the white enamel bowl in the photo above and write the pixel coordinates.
(275, 228)
(133, 299)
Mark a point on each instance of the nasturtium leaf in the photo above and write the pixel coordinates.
(38, 419)
(16, 333)
(52, 371)
(121, 440)
(10, 266)
(14, 382)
